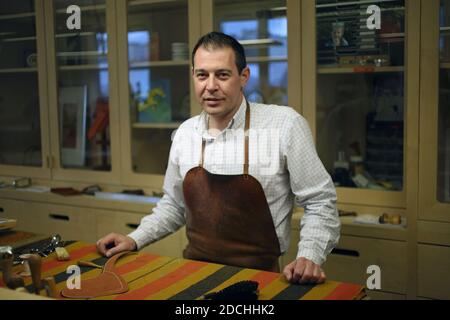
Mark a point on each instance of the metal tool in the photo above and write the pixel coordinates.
(44, 251)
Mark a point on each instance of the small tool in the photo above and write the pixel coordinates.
(50, 287)
(62, 254)
(84, 263)
(35, 262)
(11, 280)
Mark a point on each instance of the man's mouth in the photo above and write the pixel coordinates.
(213, 99)
(212, 102)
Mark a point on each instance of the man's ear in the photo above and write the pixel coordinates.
(245, 76)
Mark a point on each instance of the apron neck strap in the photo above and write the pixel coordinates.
(246, 143)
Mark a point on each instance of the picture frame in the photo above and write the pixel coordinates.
(72, 116)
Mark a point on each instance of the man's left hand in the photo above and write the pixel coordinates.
(304, 271)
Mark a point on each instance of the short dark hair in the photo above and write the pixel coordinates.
(219, 40)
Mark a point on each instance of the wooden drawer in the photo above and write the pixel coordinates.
(72, 223)
(13, 209)
(380, 295)
(433, 271)
(353, 255)
(124, 223)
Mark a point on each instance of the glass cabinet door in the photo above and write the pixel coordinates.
(360, 94)
(159, 80)
(443, 174)
(21, 139)
(434, 156)
(83, 86)
(261, 27)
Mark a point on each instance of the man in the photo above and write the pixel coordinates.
(238, 211)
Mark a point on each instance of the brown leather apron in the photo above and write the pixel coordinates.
(228, 220)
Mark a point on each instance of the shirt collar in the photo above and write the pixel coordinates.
(236, 122)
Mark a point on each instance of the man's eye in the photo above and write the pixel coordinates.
(201, 75)
(223, 75)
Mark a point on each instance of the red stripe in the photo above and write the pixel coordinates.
(264, 278)
(139, 262)
(344, 291)
(74, 255)
(169, 279)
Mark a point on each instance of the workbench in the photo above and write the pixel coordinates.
(154, 277)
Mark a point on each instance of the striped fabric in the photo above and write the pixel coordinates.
(152, 277)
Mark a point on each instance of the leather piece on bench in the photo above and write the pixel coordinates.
(107, 283)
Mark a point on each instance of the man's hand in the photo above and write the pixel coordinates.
(114, 243)
(304, 271)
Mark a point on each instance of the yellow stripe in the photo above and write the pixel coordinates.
(146, 268)
(155, 275)
(272, 289)
(186, 282)
(319, 292)
(244, 274)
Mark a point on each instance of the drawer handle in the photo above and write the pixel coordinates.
(345, 252)
(2, 210)
(59, 217)
(132, 225)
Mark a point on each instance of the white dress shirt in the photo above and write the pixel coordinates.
(282, 157)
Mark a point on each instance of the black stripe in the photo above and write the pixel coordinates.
(294, 292)
(63, 276)
(200, 288)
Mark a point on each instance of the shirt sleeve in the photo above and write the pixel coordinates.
(169, 214)
(314, 191)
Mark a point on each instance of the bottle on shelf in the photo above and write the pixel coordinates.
(341, 174)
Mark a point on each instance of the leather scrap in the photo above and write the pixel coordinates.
(107, 283)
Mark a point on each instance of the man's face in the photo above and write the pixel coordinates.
(218, 84)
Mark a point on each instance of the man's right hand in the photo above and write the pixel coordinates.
(114, 243)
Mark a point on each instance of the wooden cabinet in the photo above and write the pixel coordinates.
(78, 222)
(353, 255)
(359, 100)
(24, 142)
(435, 125)
(433, 268)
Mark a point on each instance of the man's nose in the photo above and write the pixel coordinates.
(211, 84)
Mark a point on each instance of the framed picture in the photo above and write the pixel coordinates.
(72, 117)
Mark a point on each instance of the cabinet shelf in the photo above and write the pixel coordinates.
(17, 15)
(18, 70)
(84, 8)
(61, 35)
(259, 42)
(82, 67)
(445, 65)
(362, 69)
(164, 125)
(163, 63)
(266, 59)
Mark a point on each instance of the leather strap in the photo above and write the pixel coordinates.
(246, 142)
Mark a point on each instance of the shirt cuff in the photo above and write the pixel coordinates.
(310, 254)
(140, 237)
